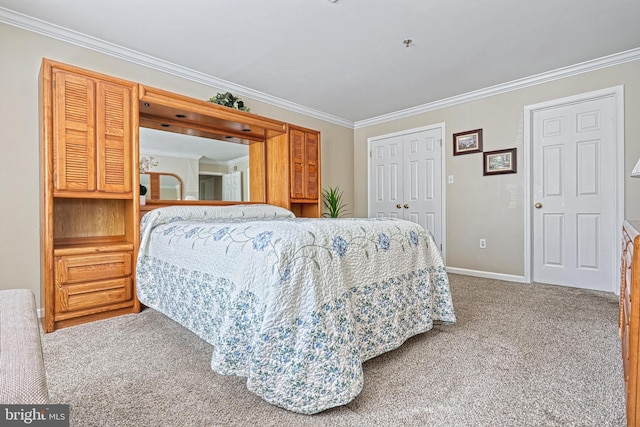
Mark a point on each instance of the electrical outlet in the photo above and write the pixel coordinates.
(483, 243)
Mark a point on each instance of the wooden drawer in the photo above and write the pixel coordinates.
(624, 335)
(629, 318)
(91, 295)
(88, 268)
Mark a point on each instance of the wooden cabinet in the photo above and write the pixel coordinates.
(304, 163)
(88, 155)
(90, 206)
(92, 139)
(629, 319)
(85, 283)
(293, 171)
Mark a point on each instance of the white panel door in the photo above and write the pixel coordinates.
(386, 192)
(422, 202)
(574, 195)
(231, 186)
(406, 179)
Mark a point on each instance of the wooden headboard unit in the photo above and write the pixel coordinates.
(171, 112)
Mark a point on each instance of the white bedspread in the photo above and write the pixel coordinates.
(295, 305)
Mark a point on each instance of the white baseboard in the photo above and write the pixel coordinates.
(487, 274)
(40, 313)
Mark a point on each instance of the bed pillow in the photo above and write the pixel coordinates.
(214, 213)
(175, 213)
(257, 211)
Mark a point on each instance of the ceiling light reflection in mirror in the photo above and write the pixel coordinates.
(210, 169)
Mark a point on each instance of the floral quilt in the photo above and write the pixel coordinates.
(295, 305)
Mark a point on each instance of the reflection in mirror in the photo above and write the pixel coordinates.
(208, 169)
(162, 185)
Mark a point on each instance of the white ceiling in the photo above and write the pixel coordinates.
(347, 59)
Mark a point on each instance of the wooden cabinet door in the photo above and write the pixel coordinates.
(92, 134)
(113, 133)
(311, 165)
(297, 157)
(74, 132)
(304, 164)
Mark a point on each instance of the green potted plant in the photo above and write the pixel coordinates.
(333, 203)
(229, 100)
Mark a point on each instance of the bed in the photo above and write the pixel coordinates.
(295, 305)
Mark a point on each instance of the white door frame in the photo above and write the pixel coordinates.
(617, 92)
(443, 169)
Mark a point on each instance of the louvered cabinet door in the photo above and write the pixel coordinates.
(304, 156)
(297, 157)
(311, 165)
(113, 130)
(74, 136)
(92, 136)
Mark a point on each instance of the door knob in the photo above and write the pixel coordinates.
(406, 205)
(538, 205)
(399, 206)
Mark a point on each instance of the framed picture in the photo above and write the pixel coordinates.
(467, 142)
(500, 161)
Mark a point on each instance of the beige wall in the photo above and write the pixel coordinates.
(22, 53)
(477, 206)
(492, 207)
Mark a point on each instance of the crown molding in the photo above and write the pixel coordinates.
(227, 163)
(560, 73)
(154, 152)
(238, 160)
(73, 37)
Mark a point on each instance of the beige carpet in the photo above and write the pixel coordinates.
(520, 355)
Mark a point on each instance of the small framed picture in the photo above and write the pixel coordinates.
(500, 161)
(467, 142)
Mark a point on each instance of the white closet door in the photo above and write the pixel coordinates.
(422, 201)
(405, 179)
(386, 180)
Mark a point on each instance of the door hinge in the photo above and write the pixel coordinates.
(370, 153)
(440, 247)
(440, 141)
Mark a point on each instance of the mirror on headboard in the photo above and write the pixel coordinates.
(208, 169)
